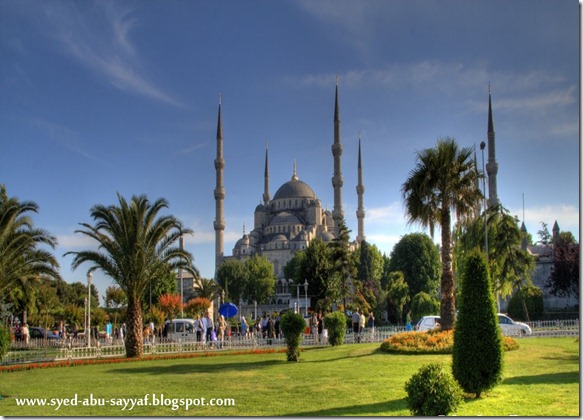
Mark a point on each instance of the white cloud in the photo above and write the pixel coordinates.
(567, 217)
(102, 44)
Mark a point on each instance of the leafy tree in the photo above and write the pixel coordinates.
(343, 268)
(564, 278)
(423, 304)
(532, 298)
(136, 246)
(317, 269)
(418, 258)
(260, 279)
(196, 306)
(166, 282)
(293, 269)
(335, 323)
(477, 345)
(232, 278)
(170, 304)
(370, 271)
(115, 299)
(444, 180)
(398, 292)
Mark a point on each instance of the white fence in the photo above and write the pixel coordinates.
(39, 351)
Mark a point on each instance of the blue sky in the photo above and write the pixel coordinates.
(104, 97)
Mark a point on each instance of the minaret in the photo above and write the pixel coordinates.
(219, 222)
(337, 212)
(266, 196)
(492, 165)
(360, 192)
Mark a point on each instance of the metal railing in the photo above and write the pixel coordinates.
(39, 351)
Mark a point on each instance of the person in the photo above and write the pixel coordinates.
(146, 334)
(314, 326)
(61, 329)
(409, 327)
(270, 329)
(278, 327)
(75, 331)
(198, 328)
(320, 325)
(24, 332)
(222, 328)
(108, 328)
(355, 324)
(152, 331)
(362, 323)
(244, 327)
(209, 325)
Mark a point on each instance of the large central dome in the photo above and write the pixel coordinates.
(294, 189)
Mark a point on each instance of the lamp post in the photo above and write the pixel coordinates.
(306, 290)
(85, 315)
(88, 332)
(181, 241)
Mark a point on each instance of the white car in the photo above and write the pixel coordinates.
(428, 322)
(510, 327)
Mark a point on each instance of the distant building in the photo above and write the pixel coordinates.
(289, 221)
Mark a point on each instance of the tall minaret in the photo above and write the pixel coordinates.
(219, 223)
(492, 165)
(360, 192)
(337, 212)
(266, 196)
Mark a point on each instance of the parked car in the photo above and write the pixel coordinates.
(39, 332)
(510, 327)
(428, 322)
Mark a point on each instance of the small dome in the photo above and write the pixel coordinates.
(260, 208)
(279, 237)
(326, 236)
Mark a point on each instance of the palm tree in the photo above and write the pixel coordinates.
(444, 180)
(136, 246)
(206, 288)
(20, 259)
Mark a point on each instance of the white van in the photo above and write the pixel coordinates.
(180, 329)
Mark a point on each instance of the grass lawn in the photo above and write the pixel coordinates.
(541, 379)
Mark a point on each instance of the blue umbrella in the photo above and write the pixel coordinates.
(228, 310)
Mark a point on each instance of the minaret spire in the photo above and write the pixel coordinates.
(219, 223)
(294, 175)
(360, 192)
(492, 165)
(266, 196)
(337, 180)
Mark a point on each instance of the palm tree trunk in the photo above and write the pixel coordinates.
(134, 343)
(447, 312)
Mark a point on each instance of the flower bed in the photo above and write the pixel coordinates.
(86, 362)
(430, 342)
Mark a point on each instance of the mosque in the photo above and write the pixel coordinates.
(290, 220)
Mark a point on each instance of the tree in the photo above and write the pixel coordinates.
(423, 304)
(115, 299)
(232, 278)
(136, 246)
(532, 298)
(260, 279)
(206, 288)
(370, 268)
(398, 292)
(343, 267)
(165, 283)
(21, 259)
(443, 181)
(317, 269)
(196, 306)
(418, 258)
(564, 278)
(293, 327)
(477, 344)
(170, 304)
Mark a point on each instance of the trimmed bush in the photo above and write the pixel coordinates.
(293, 327)
(335, 323)
(4, 341)
(477, 344)
(533, 297)
(433, 392)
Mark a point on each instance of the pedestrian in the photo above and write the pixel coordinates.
(209, 325)
(362, 322)
(270, 329)
(222, 329)
(75, 331)
(244, 327)
(409, 327)
(108, 331)
(320, 325)
(314, 326)
(356, 323)
(24, 332)
(152, 331)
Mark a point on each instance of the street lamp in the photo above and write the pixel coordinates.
(306, 290)
(181, 242)
(88, 331)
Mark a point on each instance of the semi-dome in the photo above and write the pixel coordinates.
(285, 218)
(294, 189)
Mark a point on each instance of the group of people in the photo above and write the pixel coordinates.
(360, 322)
